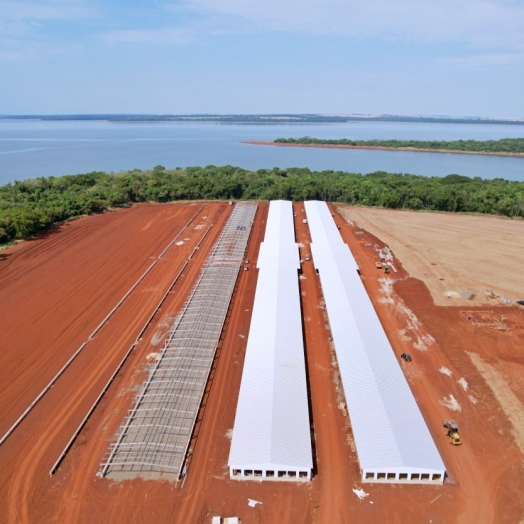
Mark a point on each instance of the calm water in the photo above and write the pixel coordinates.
(32, 148)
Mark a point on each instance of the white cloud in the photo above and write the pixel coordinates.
(483, 60)
(480, 23)
(45, 10)
(16, 55)
(22, 25)
(149, 36)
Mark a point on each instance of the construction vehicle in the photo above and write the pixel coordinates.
(452, 431)
(490, 294)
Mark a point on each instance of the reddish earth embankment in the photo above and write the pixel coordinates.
(383, 148)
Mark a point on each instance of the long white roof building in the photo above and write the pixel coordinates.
(271, 436)
(392, 439)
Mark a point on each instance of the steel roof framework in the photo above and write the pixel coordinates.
(392, 439)
(155, 435)
(271, 435)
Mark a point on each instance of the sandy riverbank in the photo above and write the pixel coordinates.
(426, 150)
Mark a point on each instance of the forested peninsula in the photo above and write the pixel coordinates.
(505, 146)
(30, 207)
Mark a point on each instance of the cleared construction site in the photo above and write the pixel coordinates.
(271, 438)
(248, 360)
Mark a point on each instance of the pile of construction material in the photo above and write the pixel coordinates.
(493, 296)
(385, 254)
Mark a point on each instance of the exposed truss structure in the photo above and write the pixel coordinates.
(155, 435)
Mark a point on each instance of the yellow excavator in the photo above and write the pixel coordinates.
(452, 431)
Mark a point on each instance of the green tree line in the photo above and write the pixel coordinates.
(31, 206)
(505, 145)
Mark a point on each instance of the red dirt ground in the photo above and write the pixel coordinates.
(71, 289)
(53, 292)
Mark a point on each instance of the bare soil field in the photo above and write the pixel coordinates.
(482, 392)
(53, 292)
(451, 253)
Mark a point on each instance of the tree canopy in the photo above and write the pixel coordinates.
(31, 206)
(505, 145)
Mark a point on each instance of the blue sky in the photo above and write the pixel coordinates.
(446, 57)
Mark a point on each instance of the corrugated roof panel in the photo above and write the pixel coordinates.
(272, 429)
(390, 432)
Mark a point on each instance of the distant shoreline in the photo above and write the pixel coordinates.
(384, 148)
(268, 119)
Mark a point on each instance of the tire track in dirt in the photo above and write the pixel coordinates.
(64, 298)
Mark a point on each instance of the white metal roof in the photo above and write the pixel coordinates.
(272, 429)
(390, 432)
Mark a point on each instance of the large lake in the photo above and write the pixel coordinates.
(32, 148)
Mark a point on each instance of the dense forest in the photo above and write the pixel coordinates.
(29, 207)
(506, 145)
